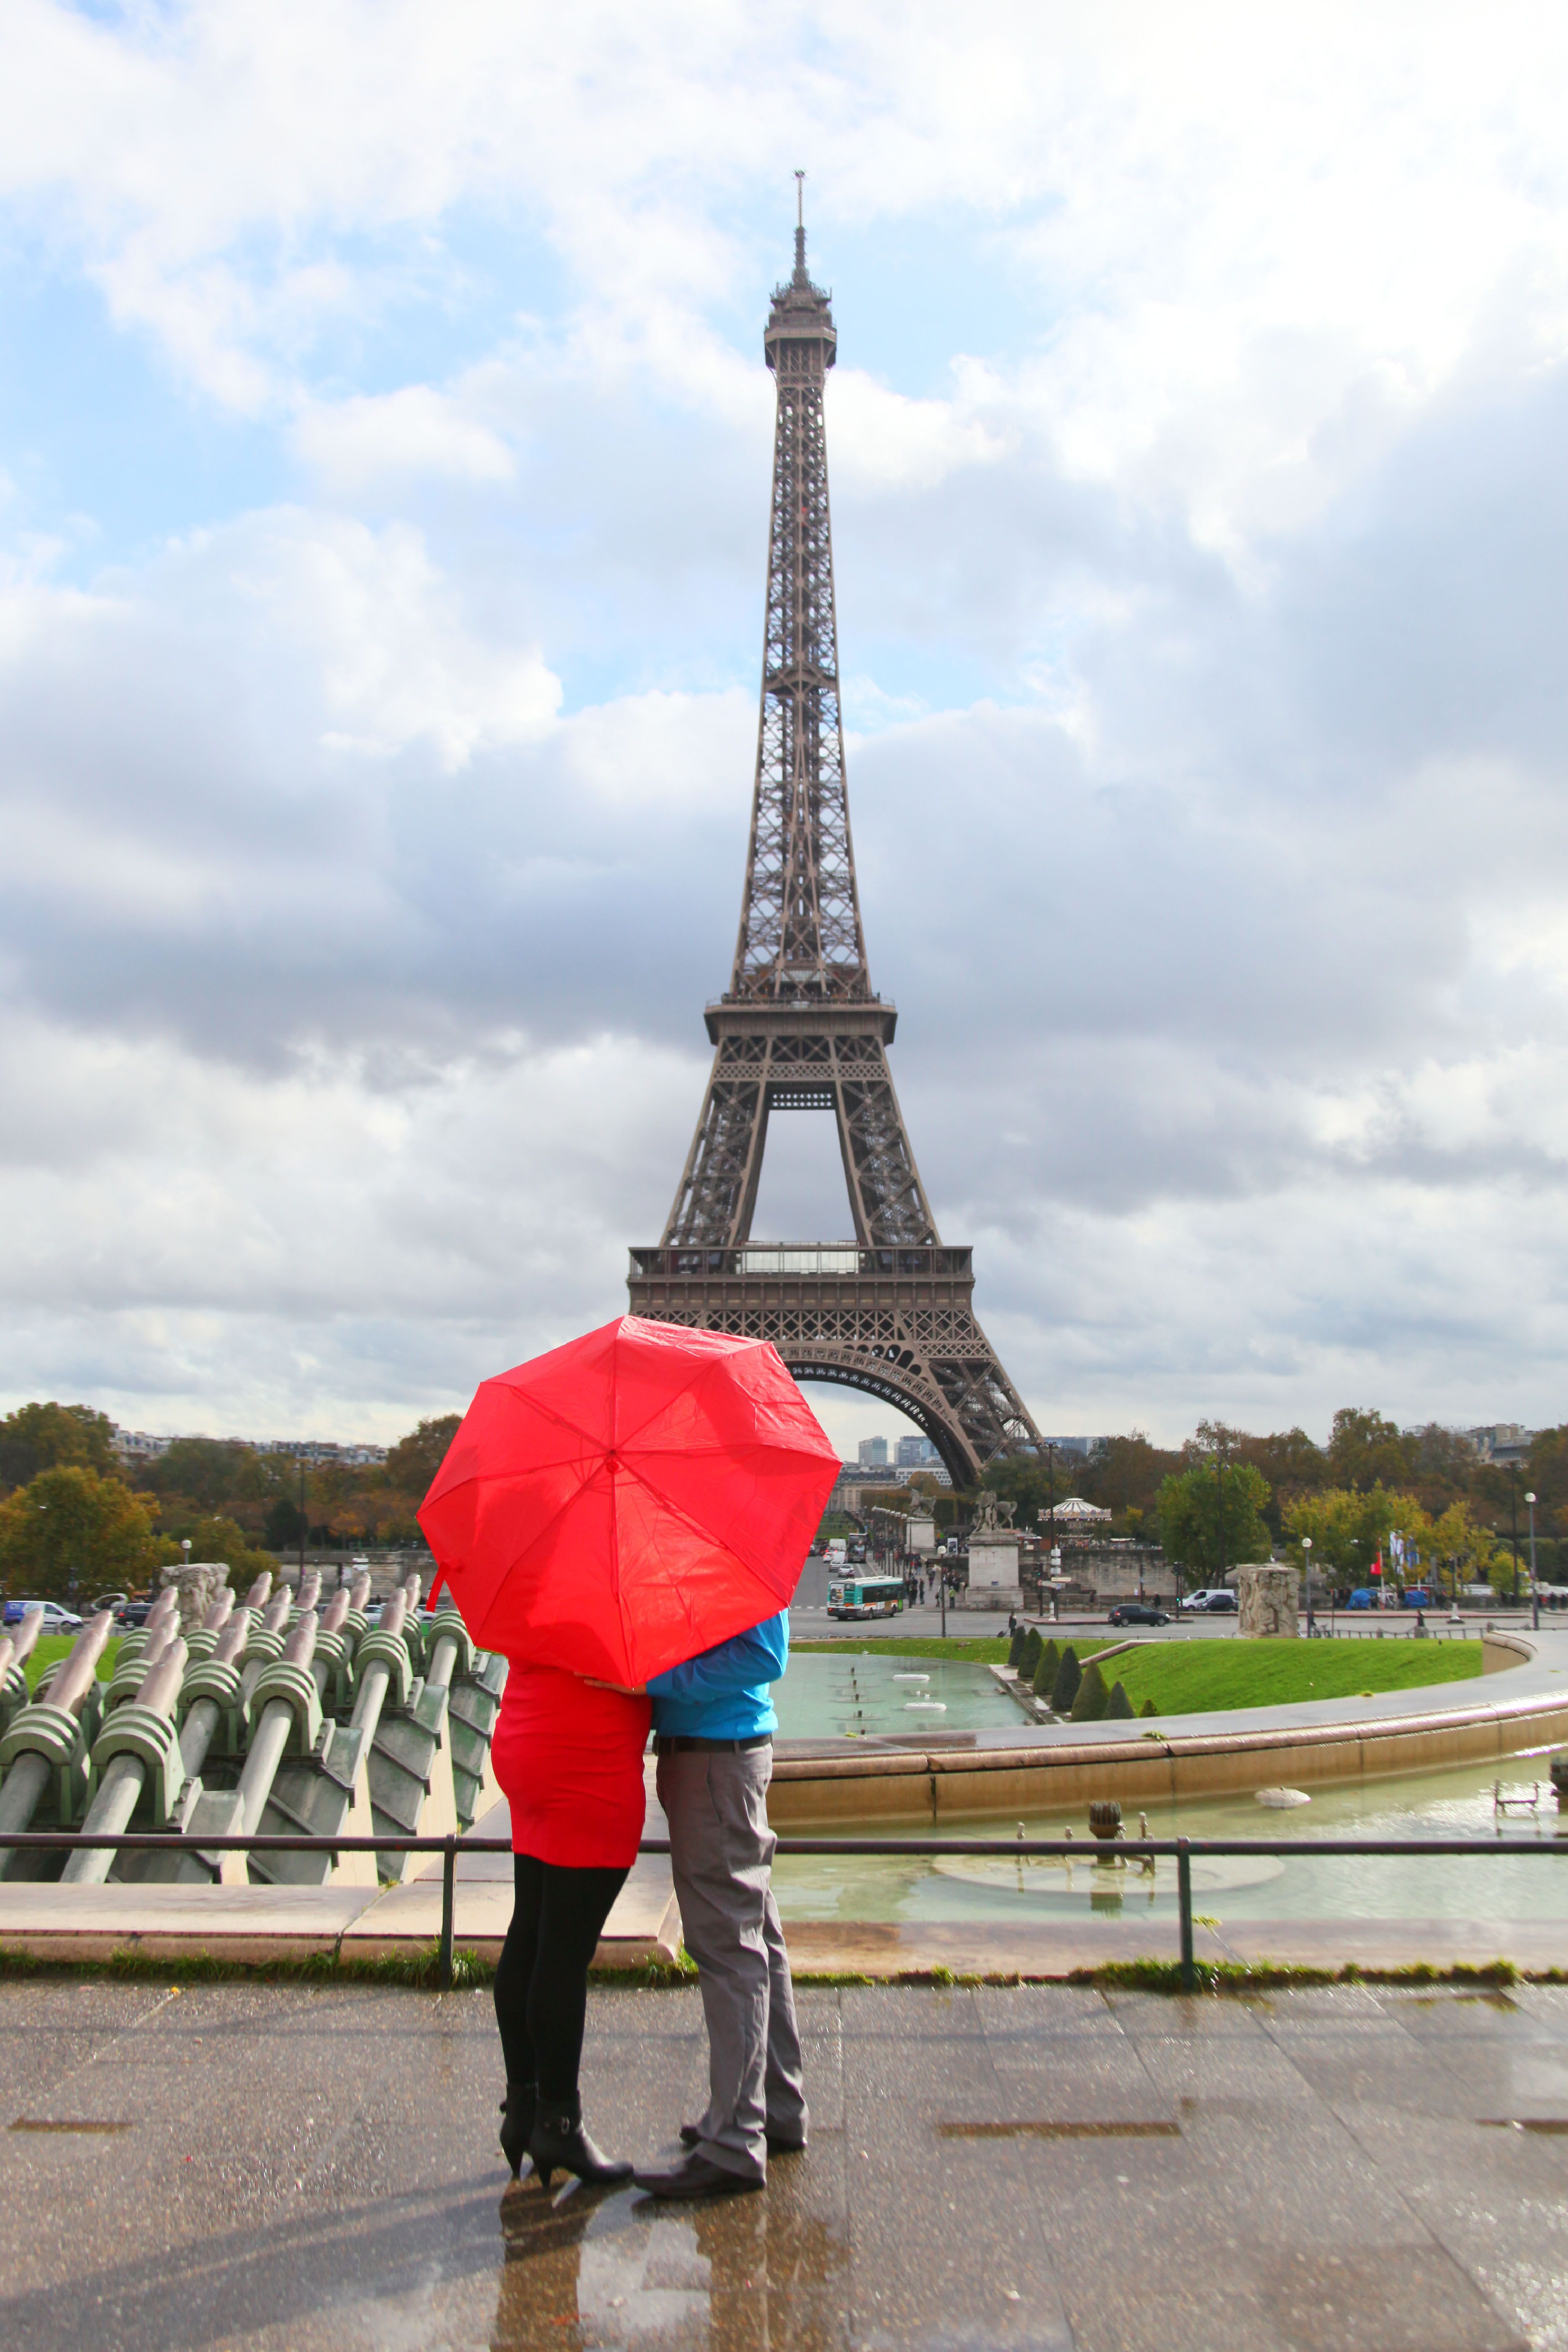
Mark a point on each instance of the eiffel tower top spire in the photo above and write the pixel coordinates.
(800, 935)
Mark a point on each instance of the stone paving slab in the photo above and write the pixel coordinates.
(269, 2169)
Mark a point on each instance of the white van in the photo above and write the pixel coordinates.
(836, 1554)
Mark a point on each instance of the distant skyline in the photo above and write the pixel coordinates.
(384, 465)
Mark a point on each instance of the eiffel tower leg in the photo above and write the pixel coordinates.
(718, 1191)
(885, 1194)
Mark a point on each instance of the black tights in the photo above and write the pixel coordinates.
(542, 1981)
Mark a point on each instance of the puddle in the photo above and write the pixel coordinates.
(618, 2273)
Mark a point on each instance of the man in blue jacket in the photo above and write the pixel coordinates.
(713, 1720)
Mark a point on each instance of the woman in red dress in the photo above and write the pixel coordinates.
(569, 1757)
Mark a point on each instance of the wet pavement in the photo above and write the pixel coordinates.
(1032, 2167)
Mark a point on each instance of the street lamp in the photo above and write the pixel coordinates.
(1307, 1578)
(1534, 1588)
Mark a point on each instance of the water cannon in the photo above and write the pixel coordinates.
(286, 1718)
(332, 1663)
(202, 1640)
(137, 1763)
(45, 1748)
(15, 1651)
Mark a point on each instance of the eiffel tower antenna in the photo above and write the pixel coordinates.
(799, 1027)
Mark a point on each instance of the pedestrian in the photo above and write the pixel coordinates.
(568, 1754)
(713, 1724)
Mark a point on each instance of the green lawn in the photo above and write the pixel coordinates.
(51, 1648)
(1196, 1677)
(1192, 1677)
(980, 1652)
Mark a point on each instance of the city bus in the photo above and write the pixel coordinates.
(865, 1596)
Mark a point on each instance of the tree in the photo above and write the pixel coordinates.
(412, 1461)
(71, 1533)
(42, 1436)
(1091, 1697)
(1211, 1516)
(1366, 1450)
(1069, 1675)
(220, 1538)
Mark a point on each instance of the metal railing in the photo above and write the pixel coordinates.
(1181, 1850)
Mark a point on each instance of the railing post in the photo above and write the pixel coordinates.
(1184, 1907)
(449, 1901)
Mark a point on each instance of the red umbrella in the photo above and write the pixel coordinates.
(629, 1499)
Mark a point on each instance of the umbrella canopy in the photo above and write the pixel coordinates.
(629, 1499)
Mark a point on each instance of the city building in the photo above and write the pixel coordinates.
(873, 1454)
(916, 1454)
(1503, 1441)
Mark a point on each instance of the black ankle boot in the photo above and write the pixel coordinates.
(516, 2123)
(559, 2144)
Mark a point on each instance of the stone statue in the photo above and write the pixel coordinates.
(198, 1582)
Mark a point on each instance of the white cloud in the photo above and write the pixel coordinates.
(355, 443)
(368, 856)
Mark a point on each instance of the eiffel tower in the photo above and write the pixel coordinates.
(799, 1028)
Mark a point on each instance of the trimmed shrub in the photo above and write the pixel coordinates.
(1093, 1698)
(1119, 1704)
(1033, 1646)
(1045, 1676)
(1148, 1707)
(1015, 1647)
(1069, 1675)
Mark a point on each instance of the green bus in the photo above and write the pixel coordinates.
(865, 1596)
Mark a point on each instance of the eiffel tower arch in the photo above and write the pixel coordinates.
(890, 1311)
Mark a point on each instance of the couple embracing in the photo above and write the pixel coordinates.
(568, 1755)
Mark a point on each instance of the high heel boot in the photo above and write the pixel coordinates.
(558, 2143)
(516, 2123)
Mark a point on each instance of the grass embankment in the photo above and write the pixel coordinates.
(982, 1651)
(51, 1648)
(1202, 1678)
(1197, 1677)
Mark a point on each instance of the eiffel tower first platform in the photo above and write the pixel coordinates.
(799, 1028)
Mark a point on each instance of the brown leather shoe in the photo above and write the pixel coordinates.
(694, 2177)
(778, 2145)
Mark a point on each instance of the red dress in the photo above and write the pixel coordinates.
(569, 1759)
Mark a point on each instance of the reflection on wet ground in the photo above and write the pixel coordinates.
(621, 2270)
(1033, 2168)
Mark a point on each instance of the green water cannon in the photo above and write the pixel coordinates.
(43, 1756)
(212, 1700)
(448, 1645)
(165, 1607)
(332, 1663)
(137, 1764)
(357, 1624)
(310, 1594)
(268, 1632)
(16, 1649)
(286, 1718)
(203, 1639)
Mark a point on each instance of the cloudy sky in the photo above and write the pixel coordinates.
(383, 450)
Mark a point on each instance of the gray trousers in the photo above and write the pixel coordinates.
(720, 1852)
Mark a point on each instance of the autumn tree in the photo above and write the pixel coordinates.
(1365, 1450)
(1211, 1516)
(70, 1532)
(42, 1436)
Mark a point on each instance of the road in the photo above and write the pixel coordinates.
(810, 1623)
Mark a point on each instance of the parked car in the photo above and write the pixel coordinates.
(1137, 1613)
(56, 1618)
(132, 1613)
(1217, 1597)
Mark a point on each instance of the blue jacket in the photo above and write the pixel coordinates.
(724, 1694)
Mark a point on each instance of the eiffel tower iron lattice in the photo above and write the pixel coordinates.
(799, 1028)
